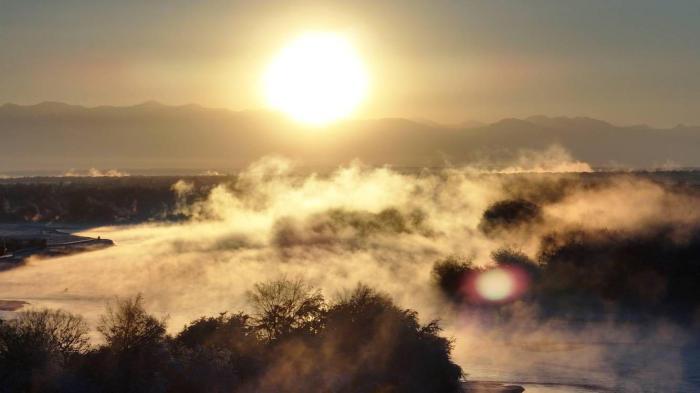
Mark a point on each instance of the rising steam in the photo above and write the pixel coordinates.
(371, 225)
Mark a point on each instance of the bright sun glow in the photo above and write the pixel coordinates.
(317, 79)
(495, 284)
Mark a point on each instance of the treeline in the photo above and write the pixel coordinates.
(293, 341)
(96, 200)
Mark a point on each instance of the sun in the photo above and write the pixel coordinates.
(317, 79)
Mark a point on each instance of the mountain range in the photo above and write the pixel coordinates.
(58, 136)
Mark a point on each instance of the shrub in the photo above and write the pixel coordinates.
(450, 274)
(507, 257)
(508, 215)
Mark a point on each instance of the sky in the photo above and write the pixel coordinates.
(626, 61)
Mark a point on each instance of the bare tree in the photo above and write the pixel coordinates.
(126, 325)
(282, 307)
(43, 334)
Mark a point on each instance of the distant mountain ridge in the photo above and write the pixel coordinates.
(153, 135)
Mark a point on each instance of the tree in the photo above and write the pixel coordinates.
(510, 258)
(55, 333)
(216, 354)
(126, 326)
(135, 357)
(283, 307)
(224, 331)
(386, 347)
(508, 215)
(37, 345)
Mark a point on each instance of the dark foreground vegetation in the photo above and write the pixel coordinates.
(293, 341)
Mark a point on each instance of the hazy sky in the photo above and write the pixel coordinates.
(627, 61)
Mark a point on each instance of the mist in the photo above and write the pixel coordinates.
(386, 229)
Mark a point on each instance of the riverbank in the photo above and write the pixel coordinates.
(21, 241)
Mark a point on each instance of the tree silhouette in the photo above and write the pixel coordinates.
(283, 307)
(127, 326)
(37, 345)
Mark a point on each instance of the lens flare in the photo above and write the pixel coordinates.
(495, 285)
